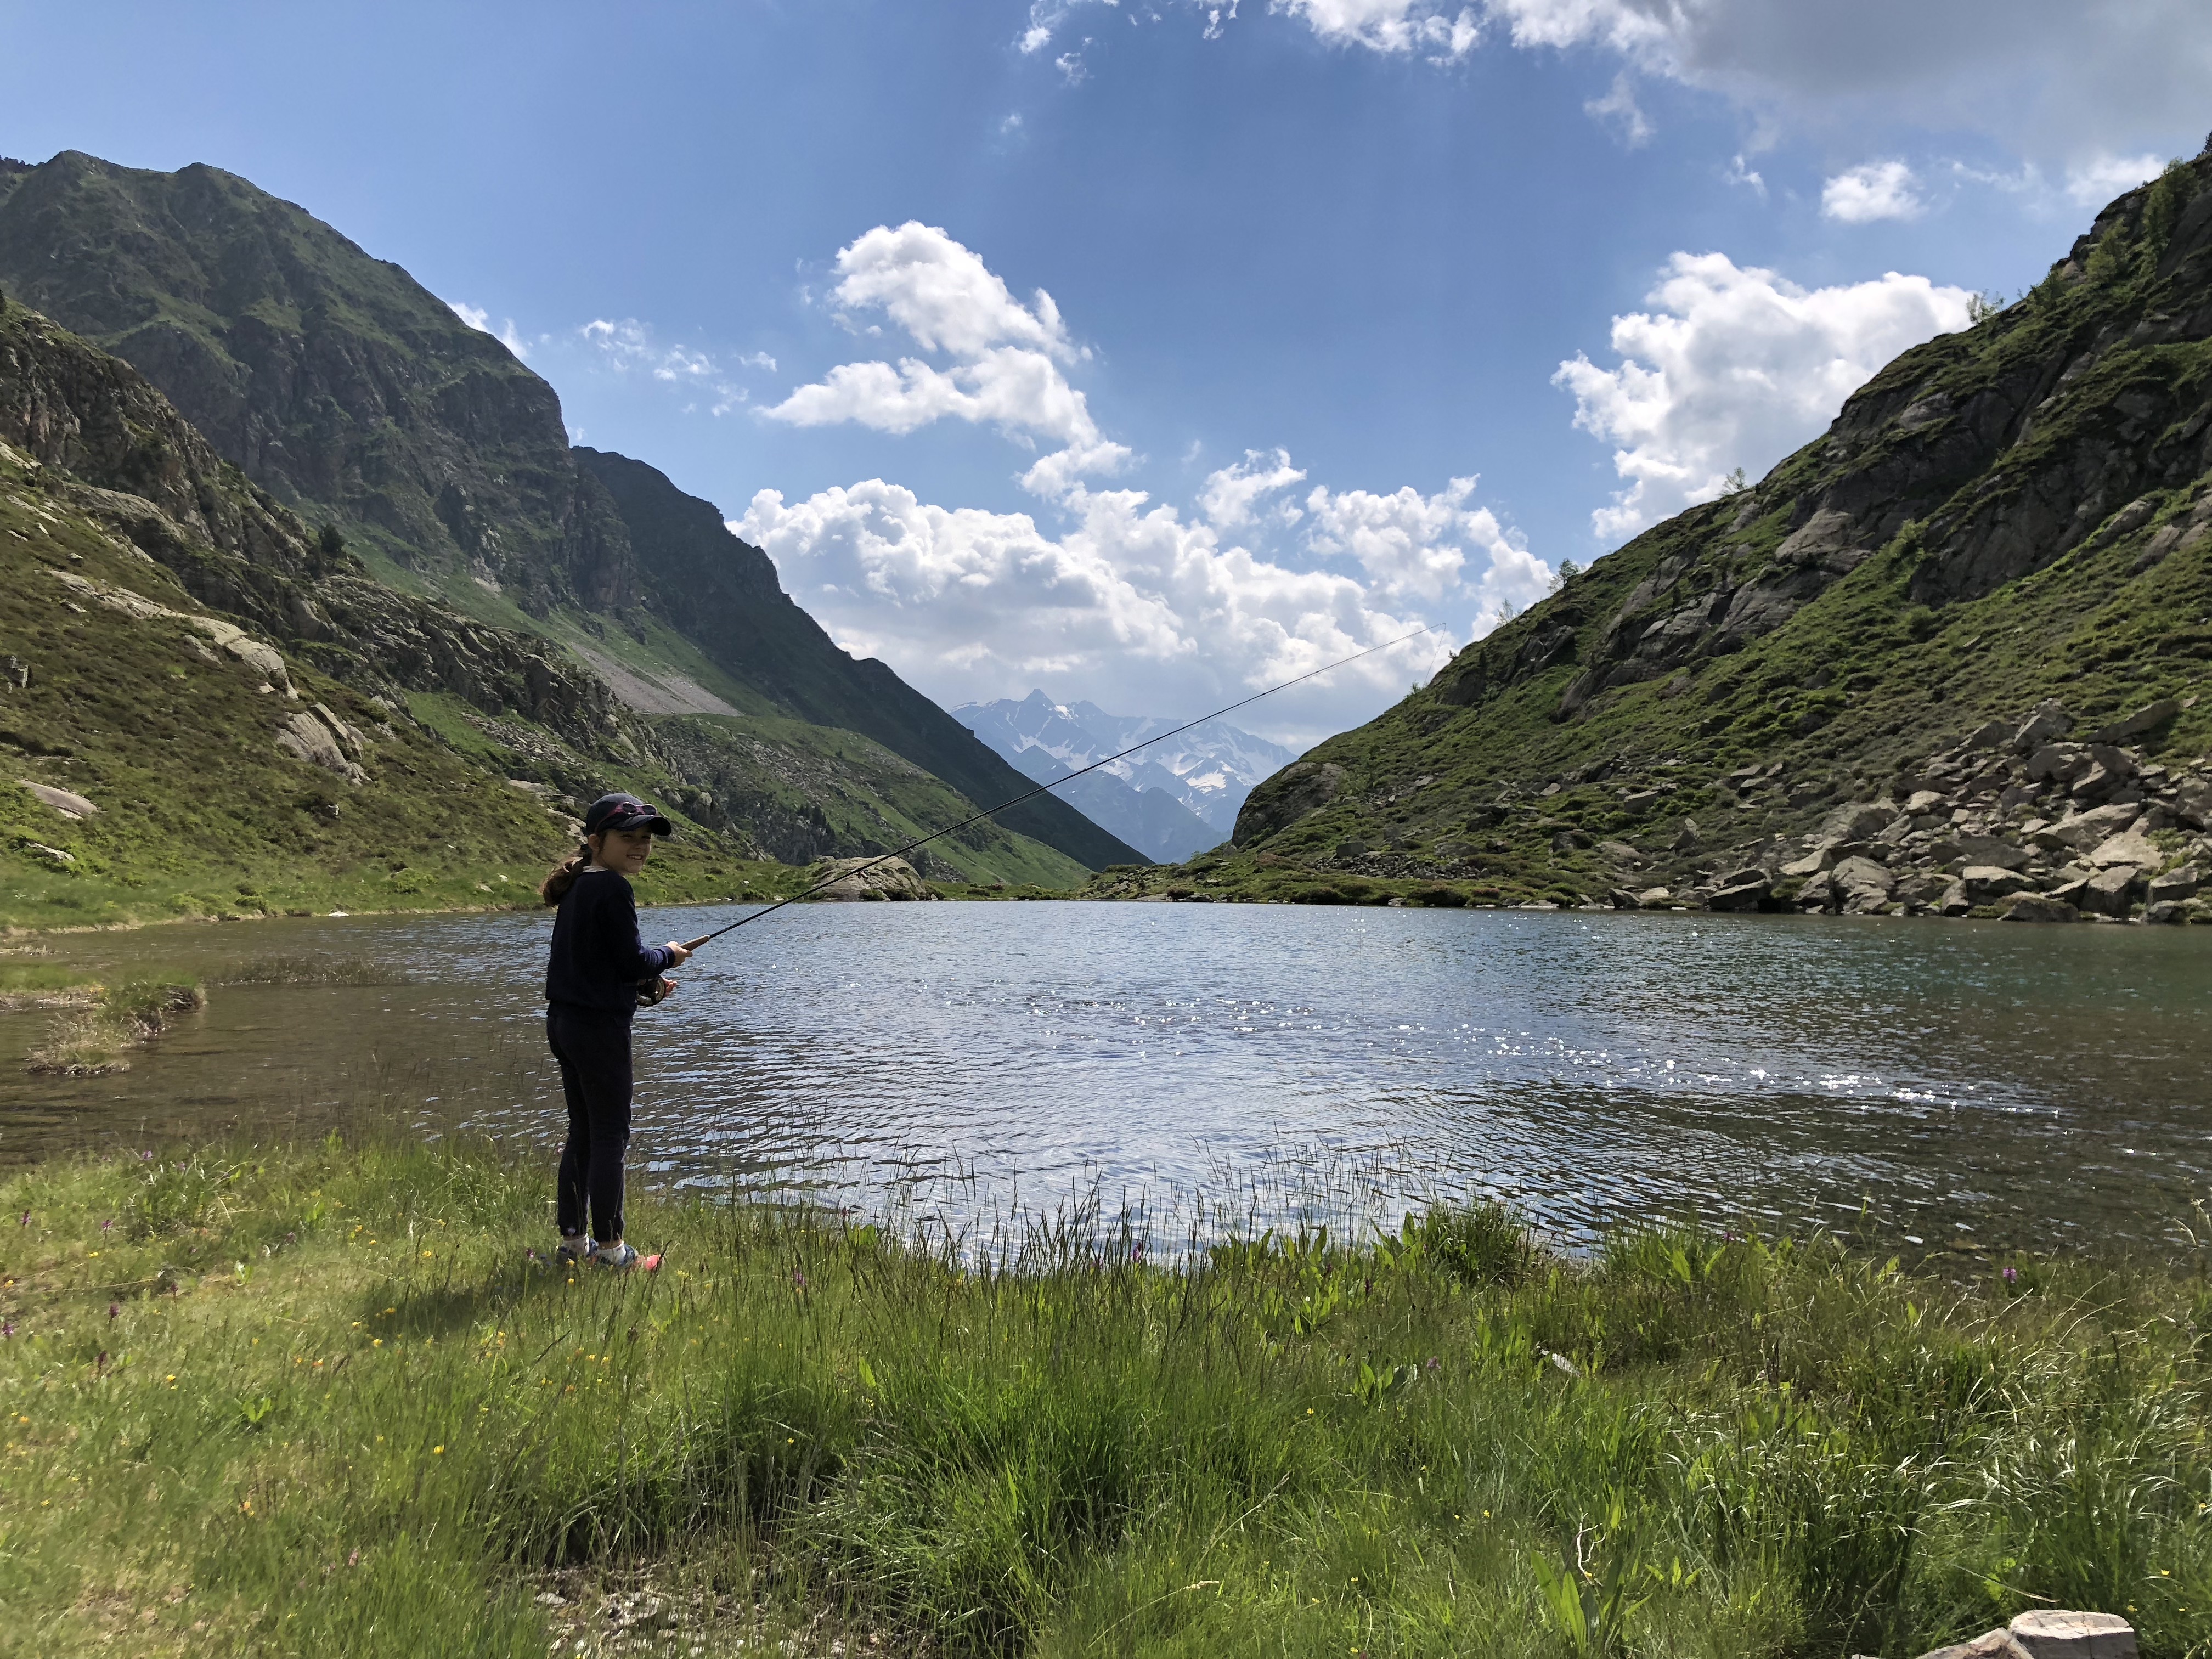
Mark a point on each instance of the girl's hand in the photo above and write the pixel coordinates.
(679, 955)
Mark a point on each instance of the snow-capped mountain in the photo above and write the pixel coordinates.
(1207, 771)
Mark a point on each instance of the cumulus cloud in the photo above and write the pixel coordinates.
(1228, 495)
(480, 319)
(1877, 190)
(1734, 367)
(1148, 611)
(1008, 357)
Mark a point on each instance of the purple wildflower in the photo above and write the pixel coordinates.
(113, 1309)
(2012, 1275)
(7, 1327)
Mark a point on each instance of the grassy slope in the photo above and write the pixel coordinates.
(321, 1402)
(1864, 680)
(201, 814)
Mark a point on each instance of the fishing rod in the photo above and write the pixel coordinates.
(1041, 789)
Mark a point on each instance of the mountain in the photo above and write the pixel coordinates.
(1208, 770)
(1876, 655)
(262, 725)
(354, 397)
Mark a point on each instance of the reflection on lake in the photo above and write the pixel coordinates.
(1988, 1084)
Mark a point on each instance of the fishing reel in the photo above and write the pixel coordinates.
(655, 991)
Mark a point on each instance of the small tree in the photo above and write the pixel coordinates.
(1735, 484)
(1567, 572)
(331, 541)
(1983, 305)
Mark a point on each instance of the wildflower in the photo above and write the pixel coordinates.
(1434, 1362)
(2012, 1275)
(113, 1309)
(437, 1451)
(145, 1158)
(798, 1280)
(376, 1342)
(108, 1225)
(7, 1327)
(27, 1219)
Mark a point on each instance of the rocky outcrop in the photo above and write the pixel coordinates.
(868, 878)
(1300, 789)
(114, 449)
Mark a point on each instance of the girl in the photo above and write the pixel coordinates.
(591, 982)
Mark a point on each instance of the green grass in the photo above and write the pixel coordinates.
(320, 1400)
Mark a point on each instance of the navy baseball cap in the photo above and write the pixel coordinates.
(620, 811)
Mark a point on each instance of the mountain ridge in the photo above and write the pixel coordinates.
(349, 392)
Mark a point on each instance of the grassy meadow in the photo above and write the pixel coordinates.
(327, 1401)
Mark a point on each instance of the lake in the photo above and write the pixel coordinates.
(1966, 1087)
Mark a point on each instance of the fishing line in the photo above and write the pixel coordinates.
(1047, 788)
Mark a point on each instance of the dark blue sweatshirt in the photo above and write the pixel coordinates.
(598, 954)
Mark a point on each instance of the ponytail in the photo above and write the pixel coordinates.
(563, 877)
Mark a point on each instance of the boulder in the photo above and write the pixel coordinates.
(2052, 1633)
(1993, 735)
(1621, 852)
(1988, 883)
(71, 804)
(1991, 849)
(1818, 893)
(1655, 898)
(2192, 803)
(2175, 885)
(1746, 890)
(1922, 802)
(2145, 718)
(2046, 725)
(1688, 838)
(1857, 822)
(1621, 898)
(2107, 892)
(1861, 885)
(2126, 848)
(868, 878)
(2077, 832)
(47, 854)
(2039, 907)
(1822, 857)
(1956, 900)
(2169, 912)
(305, 738)
(2058, 762)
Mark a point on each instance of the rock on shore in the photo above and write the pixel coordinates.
(866, 878)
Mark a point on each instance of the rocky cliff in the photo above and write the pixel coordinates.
(1876, 654)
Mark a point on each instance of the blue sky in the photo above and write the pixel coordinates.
(795, 248)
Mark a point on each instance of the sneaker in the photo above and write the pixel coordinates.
(620, 1257)
(570, 1251)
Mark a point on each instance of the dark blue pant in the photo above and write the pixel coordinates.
(595, 1077)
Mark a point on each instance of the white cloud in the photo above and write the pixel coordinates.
(1149, 611)
(1876, 190)
(943, 294)
(1619, 109)
(1444, 34)
(2095, 181)
(1228, 495)
(1007, 356)
(1734, 367)
(480, 319)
